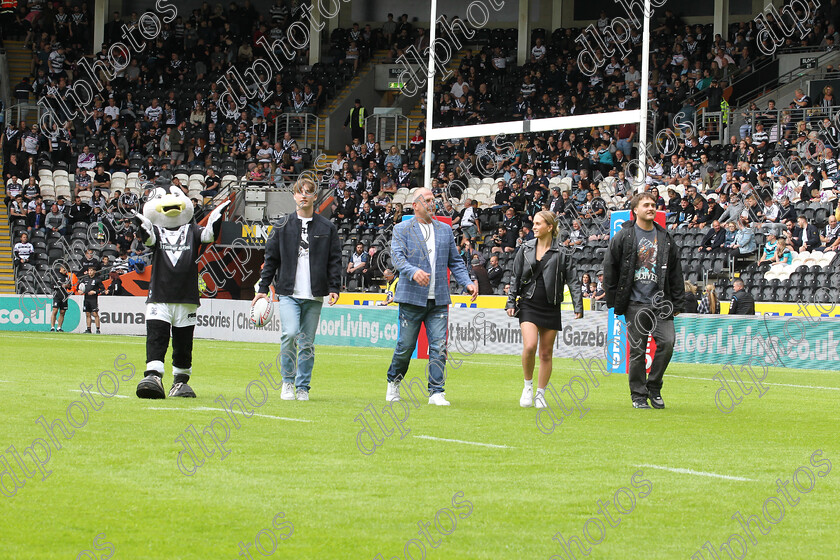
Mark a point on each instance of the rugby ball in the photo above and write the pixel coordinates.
(261, 312)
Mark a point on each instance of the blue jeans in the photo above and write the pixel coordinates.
(298, 323)
(624, 146)
(436, 318)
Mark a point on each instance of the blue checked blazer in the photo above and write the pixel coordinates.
(408, 253)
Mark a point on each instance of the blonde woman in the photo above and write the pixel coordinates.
(709, 303)
(690, 297)
(541, 268)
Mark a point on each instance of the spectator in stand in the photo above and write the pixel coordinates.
(800, 101)
(83, 181)
(782, 255)
(14, 188)
(86, 160)
(691, 299)
(101, 179)
(744, 245)
(769, 253)
(683, 217)
(732, 213)
(90, 261)
(831, 238)
(23, 251)
(481, 277)
(714, 239)
(709, 304)
(742, 301)
(495, 273)
(56, 221)
(79, 212)
(36, 214)
(805, 236)
(467, 220)
(357, 263)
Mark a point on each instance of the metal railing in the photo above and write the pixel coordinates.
(734, 77)
(24, 111)
(774, 125)
(307, 128)
(390, 130)
(802, 74)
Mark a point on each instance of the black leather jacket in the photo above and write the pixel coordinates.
(620, 265)
(558, 270)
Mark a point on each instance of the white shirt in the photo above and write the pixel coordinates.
(303, 281)
(428, 231)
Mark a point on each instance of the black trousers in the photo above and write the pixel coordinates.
(642, 320)
(157, 343)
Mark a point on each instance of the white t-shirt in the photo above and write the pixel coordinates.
(428, 231)
(303, 281)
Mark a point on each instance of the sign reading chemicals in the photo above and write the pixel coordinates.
(32, 313)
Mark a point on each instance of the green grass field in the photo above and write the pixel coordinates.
(118, 474)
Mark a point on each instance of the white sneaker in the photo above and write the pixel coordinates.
(539, 400)
(439, 399)
(393, 392)
(287, 393)
(527, 398)
(302, 395)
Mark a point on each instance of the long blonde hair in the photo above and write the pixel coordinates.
(550, 219)
(712, 295)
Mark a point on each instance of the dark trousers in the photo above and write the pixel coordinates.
(642, 321)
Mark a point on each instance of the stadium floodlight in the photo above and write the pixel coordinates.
(543, 124)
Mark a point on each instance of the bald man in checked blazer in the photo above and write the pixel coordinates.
(422, 249)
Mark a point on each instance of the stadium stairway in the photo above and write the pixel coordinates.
(20, 61)
(7, 275)
(417, 115)
(377, 57)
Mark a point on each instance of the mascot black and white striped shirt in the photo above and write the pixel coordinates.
(174, 265)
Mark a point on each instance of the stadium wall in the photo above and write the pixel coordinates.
(797, 342)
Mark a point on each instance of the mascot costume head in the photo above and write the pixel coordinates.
(167, 227)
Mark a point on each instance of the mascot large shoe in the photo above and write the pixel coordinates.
(167, 227)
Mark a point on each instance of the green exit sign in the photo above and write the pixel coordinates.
(396, 85)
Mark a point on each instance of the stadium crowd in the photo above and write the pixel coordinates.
(163, 115)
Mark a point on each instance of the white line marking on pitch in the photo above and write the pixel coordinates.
(763, 383)
(698, 473)
(98, 393)
(466, 442)
(203, 408)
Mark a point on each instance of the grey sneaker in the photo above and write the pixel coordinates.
(640, 403)
(656, 401)
(302, 395)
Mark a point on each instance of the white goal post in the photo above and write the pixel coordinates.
(543, 124)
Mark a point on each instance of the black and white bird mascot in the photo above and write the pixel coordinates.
(167, 226)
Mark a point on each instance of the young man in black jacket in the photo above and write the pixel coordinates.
(643, 281)
(303, 261)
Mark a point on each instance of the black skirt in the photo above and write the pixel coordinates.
(537, 309)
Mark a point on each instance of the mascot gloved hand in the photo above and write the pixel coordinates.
(167, 227)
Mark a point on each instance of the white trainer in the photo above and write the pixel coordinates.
(302, 395)
(287, 393)
(393, 392)
(439, 399)
(527, 398)
(539, 400)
